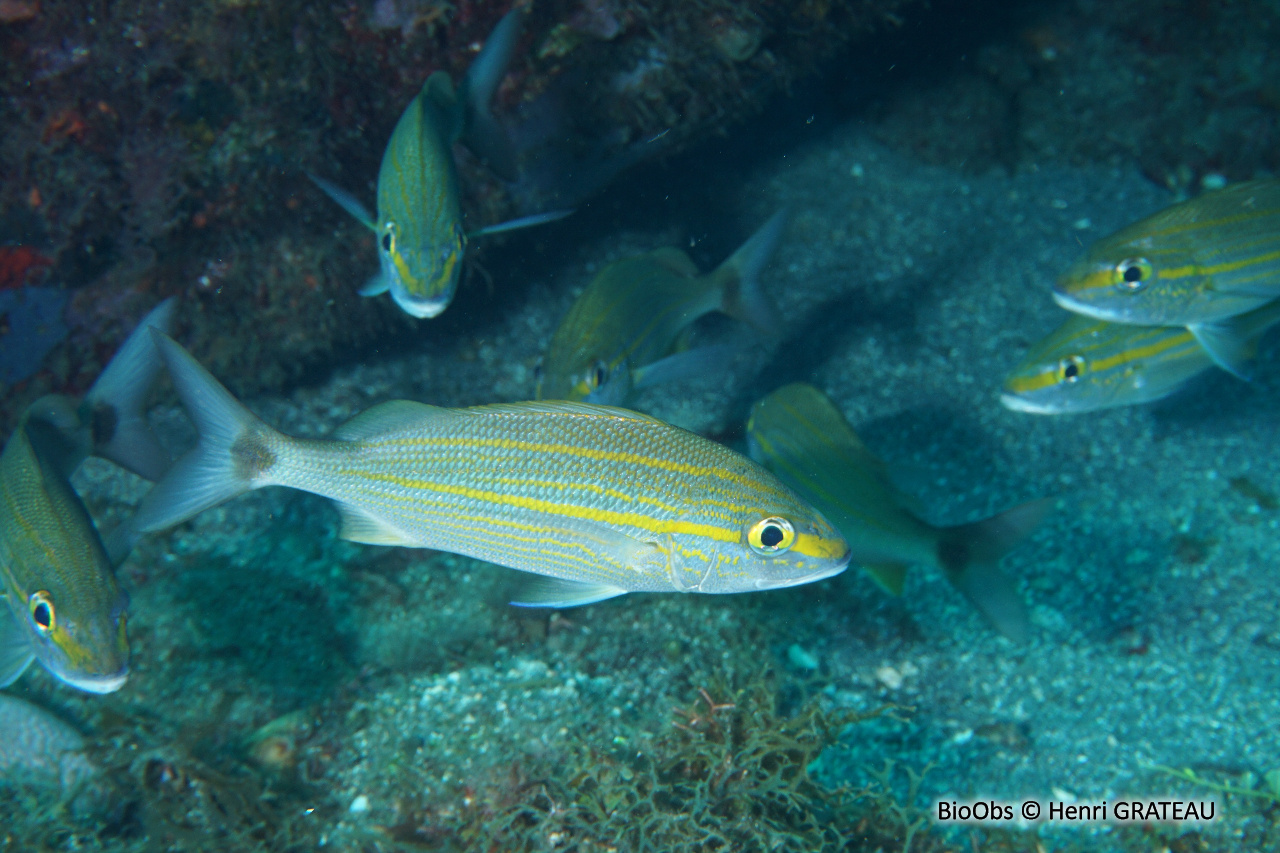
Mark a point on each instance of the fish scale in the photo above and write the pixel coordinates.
(592, 495)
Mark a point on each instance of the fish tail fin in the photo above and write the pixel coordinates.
(230, 457)
(970, 555)
(116, 404)
(738, 278)
(481, 132)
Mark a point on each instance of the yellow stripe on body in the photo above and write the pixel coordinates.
(1189, 270)
(551, 450)
(1159, 347)
(640, 521)
(728, 509)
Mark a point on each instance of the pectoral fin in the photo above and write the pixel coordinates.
(689, 364)
(554, 592)
(1227, 346)
(522, 222)
(346, 201)
(15, 648)
(377, 285)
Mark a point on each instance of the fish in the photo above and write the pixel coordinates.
(62, 605)
(421, 240)
(598, 501)
(798, 433)
(1086, 364)
(40, 749)
(626, 331)
(1194, 264)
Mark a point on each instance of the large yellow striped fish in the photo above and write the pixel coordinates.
(61, 603)
(603, 500)
(800, 435)
(623, 333)
(1087, 364)
(421, 240)
(1193, 264)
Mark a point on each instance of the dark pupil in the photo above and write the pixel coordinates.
(771, 536)
(41, 614)
(386, 245)
(1133, 273)
(1071, 371)
(600, 376)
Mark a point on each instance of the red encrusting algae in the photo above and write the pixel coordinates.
(17, 263)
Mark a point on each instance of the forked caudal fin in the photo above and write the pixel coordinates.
(970, 554)
(228, 459)
(116, 404)
(739, 277)
(480, 130)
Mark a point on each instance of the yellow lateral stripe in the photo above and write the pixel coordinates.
(1158, 347)
(395, 504)
(565, 450)
(603, 516)
(481, 531)
(1206, 224)
(1174, 273)
(710, 503)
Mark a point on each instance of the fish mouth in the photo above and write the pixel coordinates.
(96, 683)
(782, 583)
(1075, 306)
(1021, 404)
(423, 309)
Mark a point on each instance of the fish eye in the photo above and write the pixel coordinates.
(771, 535)
(389, 238)
(1133, 274)
(599, 375)
(41, 606)
(1070, 369)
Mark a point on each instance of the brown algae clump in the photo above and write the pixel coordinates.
(730, 774)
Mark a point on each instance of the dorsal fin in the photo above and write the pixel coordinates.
(561, 407)
(675, 260)
(386, 417)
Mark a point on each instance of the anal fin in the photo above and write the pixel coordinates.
(891, 577)
(555, 592)
(359, 526)
(1227, 346)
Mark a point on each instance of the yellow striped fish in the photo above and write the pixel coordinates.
(799, 434)
(623, 332)
(63, 606)
(603, 500)
(1193, 264)
(61, 603)
(1087, 364)
(421, 240)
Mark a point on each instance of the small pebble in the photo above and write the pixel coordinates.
(801, 659)
(889, 677)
